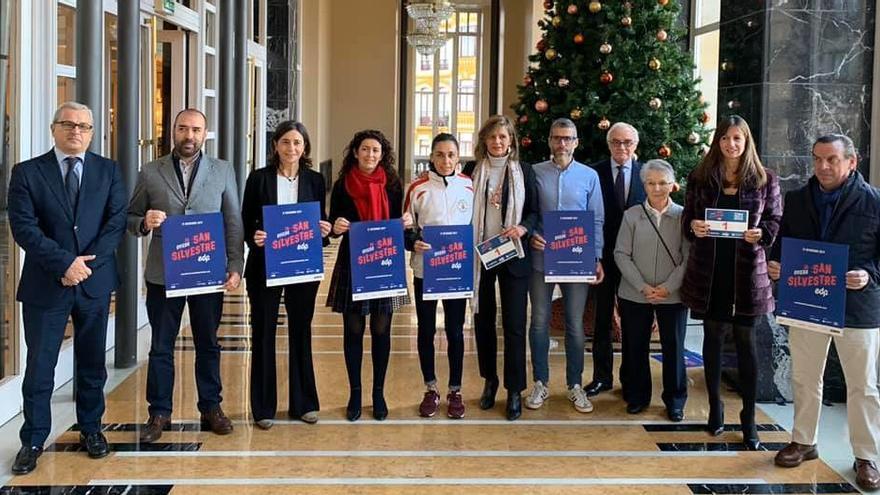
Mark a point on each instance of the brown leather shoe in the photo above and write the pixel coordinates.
(216, 421)
(795, 453)
(152, 430)
(867, 476)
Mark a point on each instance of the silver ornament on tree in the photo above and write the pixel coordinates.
(655, 103)
(693, 138)
(563, 82)
(605, 48)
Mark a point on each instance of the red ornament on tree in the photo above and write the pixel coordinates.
(606, 78)
(664, 151)
(527, 80)
(704, 118)
(578, 39)
(548, 4)
(663, 2)
(541, 45)
(604, 124)
(541, 106)
(523, 119)
(662, 35)
(525, 141)
(572, 9)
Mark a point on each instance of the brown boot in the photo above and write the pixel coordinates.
(152, 430)
(867, 476)
(795, 453)
(216, 421)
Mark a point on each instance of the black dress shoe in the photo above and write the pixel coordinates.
(514, 406)
(380, 408)
(675, 415)
(749, 431)
(353, 409)
(95, 444)
(26, 460)
(635, 408)
(715, 426)
(595, 387)
(487, 400)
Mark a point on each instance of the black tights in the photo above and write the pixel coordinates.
(354, 325)
(714, 332)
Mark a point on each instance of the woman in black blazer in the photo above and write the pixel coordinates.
(505, 202)
(287, 178)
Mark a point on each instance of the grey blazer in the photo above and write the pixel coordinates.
(213, 190)
(642, 259)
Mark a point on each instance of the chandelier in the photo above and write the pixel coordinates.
(428, 15)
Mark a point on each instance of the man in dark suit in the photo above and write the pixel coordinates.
(621, 188)
(182, 183)
(67, 212)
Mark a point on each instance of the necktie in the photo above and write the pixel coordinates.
(71, 181)
(620, 188)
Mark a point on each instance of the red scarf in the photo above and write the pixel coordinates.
(368, 193)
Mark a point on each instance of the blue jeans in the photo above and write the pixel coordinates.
(574, 297)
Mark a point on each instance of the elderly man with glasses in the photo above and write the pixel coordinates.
(621, 189)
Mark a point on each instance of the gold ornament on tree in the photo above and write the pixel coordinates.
(663, 2)
(604, 124)
(556, 21)
(626, 21)
(654, 64)
(595, 7)
(576, 113)
(550, 54)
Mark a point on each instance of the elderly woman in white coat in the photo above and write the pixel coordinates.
(652, 253)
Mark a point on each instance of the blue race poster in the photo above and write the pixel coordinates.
(812, 285)
(570, 253)
(194, 254)
(377, 261)
(449, 265)
(294, 251)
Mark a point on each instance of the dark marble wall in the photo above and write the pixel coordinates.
(797, 69)
(281, 55)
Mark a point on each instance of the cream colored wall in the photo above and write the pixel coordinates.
(517, 19)
(316, 53)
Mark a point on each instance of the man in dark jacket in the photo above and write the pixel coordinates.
(621, 188)
(838, 206)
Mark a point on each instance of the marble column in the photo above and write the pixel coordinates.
(796, 69)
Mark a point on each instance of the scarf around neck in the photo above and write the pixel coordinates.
(368, 193)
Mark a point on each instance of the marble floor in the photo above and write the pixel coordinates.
(551, 450)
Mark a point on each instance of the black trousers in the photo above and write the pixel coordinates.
(514, 303)
(426, 312)
(205, 311)
(299, 302)
(714, 333)
(603, 353)
(43, 334)
(636, 320)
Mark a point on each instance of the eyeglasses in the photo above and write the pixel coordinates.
(651, 185)
(69, 125)
(617, 143)
(563, 139)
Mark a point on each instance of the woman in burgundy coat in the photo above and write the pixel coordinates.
(726, 283)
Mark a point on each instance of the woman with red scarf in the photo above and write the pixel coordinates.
(368, 189)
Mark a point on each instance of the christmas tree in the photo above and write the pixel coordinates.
(598, 63)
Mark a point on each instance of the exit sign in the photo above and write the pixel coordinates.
(166, 6)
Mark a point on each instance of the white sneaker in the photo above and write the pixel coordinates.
(577, 396)
(538, 396)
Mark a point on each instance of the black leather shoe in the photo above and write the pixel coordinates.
(380, 408)
(514, 406)
(716, 420)
(487, 400)
(353, 409)
(95, 444)
(675, 415)
(595, 387)
(26, 460)
(749, 431)
(635, 408)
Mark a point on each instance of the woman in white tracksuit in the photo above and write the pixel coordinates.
(443, 196)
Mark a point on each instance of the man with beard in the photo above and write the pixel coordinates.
(183, 183)
(563, 185)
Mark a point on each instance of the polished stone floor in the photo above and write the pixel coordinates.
(551, 450)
